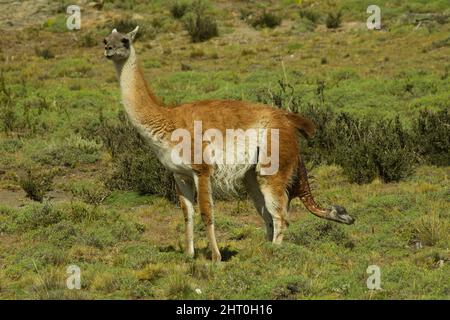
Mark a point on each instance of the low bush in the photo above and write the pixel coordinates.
(431, 132)
(70, 152)
(365, 148)
(266, 20)
(179, 9)
(334, 20)
(36, 183)
(200, 24)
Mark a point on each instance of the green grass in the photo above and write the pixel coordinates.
(130, 246)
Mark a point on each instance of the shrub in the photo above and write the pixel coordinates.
(90, 192)
(179, 9)
(36, 183)
(88, 40)
(70, 152)
(8, 116)
(310, 15)
(44, 53)
(266, 20)
(333, 20)
(200, 25)
(429, 230)
(432, 136)
(364, 148)
(147, 29)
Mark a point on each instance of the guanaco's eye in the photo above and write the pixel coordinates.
(104, 41)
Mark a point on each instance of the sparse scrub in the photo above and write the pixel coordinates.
(36, 183)
(429, 230)
(88, 40)
(70, 152)
(179, 287)
(90, 192)
(45, 53)
(432, 136)
(311, 15)
(200, 24)
(8, 116)
(179, 9)
(334, 20)
(266, 19)
(366, 149)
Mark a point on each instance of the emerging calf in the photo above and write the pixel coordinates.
(196, 164)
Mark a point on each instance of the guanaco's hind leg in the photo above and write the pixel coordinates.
(271, 200)
(186, 194)
(276, 202)
(252, 187)
(203, 184)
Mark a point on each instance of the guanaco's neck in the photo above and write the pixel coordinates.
(141, 105)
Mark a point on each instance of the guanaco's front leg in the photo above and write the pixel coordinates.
(204, 196)
(186, 194)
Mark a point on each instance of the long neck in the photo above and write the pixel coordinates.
(141, 105)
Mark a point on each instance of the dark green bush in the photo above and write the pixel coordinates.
(8, 116)
(432, 136)
(334, 20)
(36, 183)
(266, 20)
(311, 15)
(179, 9)
(45, 53)
(200, 25)
(364, 148)
(70, 152)
(135, 164)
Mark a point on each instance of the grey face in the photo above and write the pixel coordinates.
(117, 46)
(339, 214)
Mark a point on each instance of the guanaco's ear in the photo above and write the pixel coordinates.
(114, 31)
(132, 34)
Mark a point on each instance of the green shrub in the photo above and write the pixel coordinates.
(147, 29)
(70, 152)
(432, 136)
(310, 15)
(36, 216)
(266, 20)
(364, 148)
(90, 192)
(179, 9)
(200, 25)
(88, 40)
(45, 53)
(36, 183)
(334, 20)
(8, 116)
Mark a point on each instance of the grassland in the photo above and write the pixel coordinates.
(56, 88)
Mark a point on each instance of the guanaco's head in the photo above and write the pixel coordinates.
(339, 214)
(117, 45)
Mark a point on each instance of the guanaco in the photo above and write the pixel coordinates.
(270, 193)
